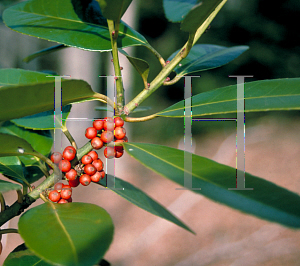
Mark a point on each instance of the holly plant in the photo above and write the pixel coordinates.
(80, 233)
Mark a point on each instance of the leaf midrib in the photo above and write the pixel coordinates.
(232, 100)
(212, 183)
(68, 237)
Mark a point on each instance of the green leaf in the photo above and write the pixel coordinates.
(7, 186)
(198, 14)
(41, 141)
(32, 173)
(36, 98)
(140, 65)
(72, 234)
(176, 10)
(143, 201)
(191, 13)
(12, 168)
(44, 120)
(57, 21)
(114, 9)
(14, 146)
(267, 200)
(16, 76)
(44, 52)
(207, 56)
(22, 256)
(263, 95)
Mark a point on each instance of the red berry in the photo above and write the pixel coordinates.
(120, 132)
(102, 174)
(91, 132)
(64, 166)
(56, 157)
(85, 180)
(69, 153)
(119, 122)
(108, 124)
(74, 183)
(119, 151)
(97, 143)
(58, 186)
(66, 186)
(98, 164)
(109, 152)
(54, 196)
(90, 169)
(98, 124)
(71, 175)
(107, 136)
(125, 139)
(66, 193)
(93, 154)
(62, 201)
(96, 177)
(86, 159)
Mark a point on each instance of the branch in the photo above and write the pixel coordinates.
(160, 78)
(118, 75)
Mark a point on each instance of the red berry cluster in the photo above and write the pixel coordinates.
(105, 131)
(90, 169)
(61, 193)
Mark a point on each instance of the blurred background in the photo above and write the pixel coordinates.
(224, 236)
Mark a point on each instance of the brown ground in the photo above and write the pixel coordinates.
(224, 236)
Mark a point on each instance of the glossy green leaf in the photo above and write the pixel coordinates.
(14, 146)
(176, 10)
(198, 14)
(36, 98)
(114, 9)
(207, 56)
(57, 21)
(12, 168)
(191, 13)
(44, 52)
(264, 95)
(41, 141)
(267, 200)
(141, 66)
(44, 120)
(71, 234)
(32, 173)
(16, 76)
(7, 186)
(143, 201)
(22, 256)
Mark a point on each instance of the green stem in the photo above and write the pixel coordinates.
(173, 81)
(160, 78)
(45, 159)
(69, 136)
(157, 54)
(140, 119)
(42, 167)
(118, 75)
(2, 202)
(8, 231)
(188, 46)
(20, 196)
(104, 99)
